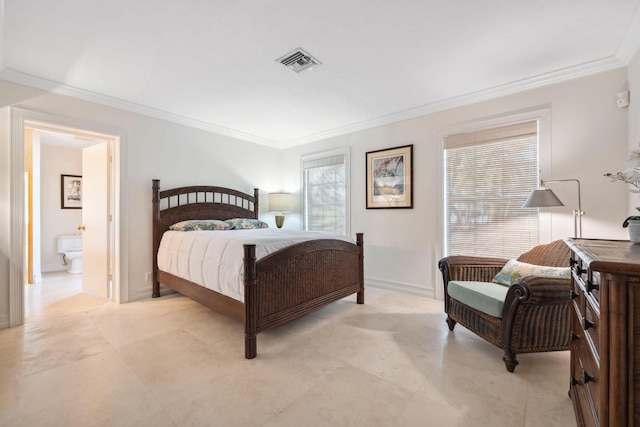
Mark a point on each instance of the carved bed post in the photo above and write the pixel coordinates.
(156, 236)
(256, 202)
(360, 243)
(250, 301)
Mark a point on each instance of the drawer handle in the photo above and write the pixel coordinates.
(586, 377)
(574, 336)
(574, 294)
(579, 270)
(574, 381)
(586, 323)
(572, 262)
(591, 286)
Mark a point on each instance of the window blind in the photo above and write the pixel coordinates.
(325, 194)
(488, 176)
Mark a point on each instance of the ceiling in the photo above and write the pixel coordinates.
(212, 64)
(66, 139)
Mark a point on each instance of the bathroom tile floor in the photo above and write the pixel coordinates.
(81, 361)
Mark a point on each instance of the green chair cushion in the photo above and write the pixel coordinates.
(487, 297)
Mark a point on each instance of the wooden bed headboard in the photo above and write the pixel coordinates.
(198, 202)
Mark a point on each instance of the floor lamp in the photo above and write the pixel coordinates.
(546, 198)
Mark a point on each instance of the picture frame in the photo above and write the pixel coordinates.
(71, 191)
(390, 178)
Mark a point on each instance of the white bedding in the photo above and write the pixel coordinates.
(213, 259)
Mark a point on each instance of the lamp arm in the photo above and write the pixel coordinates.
(577, 214)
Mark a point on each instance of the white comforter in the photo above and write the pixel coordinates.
(213, 259)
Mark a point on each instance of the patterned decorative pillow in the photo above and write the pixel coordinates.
(246, 223)
(513, 270)
(200, 224)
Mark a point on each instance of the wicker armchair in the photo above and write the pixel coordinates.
(535, 316)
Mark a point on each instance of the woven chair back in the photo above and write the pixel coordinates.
(554, 254)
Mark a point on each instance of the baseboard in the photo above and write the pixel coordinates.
(4, 321)
(52, 268)
(146, 292)
(399, 286)
(139, 294)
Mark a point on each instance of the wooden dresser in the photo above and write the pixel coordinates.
(605, 325)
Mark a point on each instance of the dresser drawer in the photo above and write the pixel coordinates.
(588, 281)
(593, 286)
(587, 394)
(585, 416)
(588, 317)
(591, 326)
(578, 270)
(578, 297)
(584, 372)
(589, 374)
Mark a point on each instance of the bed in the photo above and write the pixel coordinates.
(279, 287)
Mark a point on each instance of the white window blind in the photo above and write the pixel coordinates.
(488, 176)
(325, 193)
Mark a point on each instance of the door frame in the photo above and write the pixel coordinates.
(19, 119)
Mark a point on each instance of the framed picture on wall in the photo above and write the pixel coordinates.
(390, 178)
(71, 191)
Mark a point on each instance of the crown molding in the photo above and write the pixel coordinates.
(62, 89)
(592, 67)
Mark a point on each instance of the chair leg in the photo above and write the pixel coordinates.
(451, 323)
(510, 360)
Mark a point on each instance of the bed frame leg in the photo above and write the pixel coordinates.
(250, 301)
(156, 290)
(360, 243)
(250, 347)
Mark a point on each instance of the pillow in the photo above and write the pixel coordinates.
(513, 270)
(246, 223)
(200, 224)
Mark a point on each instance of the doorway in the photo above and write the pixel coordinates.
(24, 122)
(54, 159)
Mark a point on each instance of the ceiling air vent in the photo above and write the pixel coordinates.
(298, 61)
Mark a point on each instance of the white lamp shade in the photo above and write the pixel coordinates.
(280, 202)
(542, 198)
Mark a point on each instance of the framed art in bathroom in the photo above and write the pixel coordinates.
(71, 191)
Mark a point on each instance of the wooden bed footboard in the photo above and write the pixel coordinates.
(298, 280)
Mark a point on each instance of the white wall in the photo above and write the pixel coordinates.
(5, 215)
(589, 138)
(54, 220)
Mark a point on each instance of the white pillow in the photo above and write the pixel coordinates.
(513, 270)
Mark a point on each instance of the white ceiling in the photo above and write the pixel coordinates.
(212, 63)
(66, 139)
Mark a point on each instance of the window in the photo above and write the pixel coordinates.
(488, 175)
(325, 196)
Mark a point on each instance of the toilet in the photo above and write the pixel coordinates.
(71, 246)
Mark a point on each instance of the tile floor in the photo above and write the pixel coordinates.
(80, 361)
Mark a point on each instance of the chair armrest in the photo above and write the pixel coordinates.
(536, 313)
(536, 290)
(460, 267)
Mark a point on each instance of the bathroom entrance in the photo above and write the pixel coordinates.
(69, 205)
